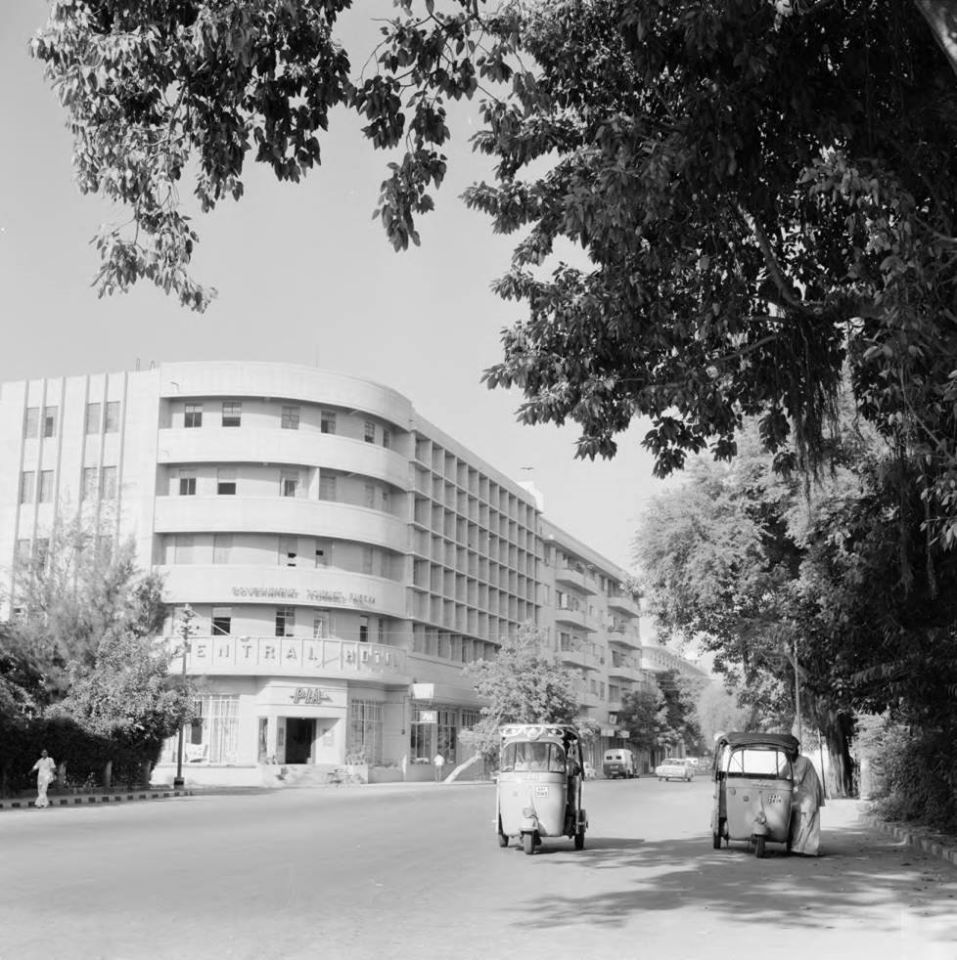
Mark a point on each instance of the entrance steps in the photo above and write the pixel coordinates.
(282, 775)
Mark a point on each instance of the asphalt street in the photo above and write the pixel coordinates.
(414, 871)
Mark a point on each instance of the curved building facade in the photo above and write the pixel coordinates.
(342, 558)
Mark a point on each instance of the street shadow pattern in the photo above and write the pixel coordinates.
(873, 871)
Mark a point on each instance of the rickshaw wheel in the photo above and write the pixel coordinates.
(759, 847)
(528, 843)
(580, 840)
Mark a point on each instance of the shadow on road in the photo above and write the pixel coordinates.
(870, 871)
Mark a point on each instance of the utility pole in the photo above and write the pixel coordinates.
(185, 631)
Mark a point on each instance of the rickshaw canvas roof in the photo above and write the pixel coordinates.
(538, 731)
(783, 741)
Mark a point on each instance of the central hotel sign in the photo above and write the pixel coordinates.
(340, 598)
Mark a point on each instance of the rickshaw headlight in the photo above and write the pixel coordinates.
(534, 733)
(761, 818)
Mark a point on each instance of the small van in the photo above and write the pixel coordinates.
(619, 763)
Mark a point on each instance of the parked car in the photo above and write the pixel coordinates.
(619, 763)
(677, 768)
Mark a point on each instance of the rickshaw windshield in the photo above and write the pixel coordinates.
(752, 762)
(522, 756)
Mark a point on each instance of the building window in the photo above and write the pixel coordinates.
(112, 420)
(22, 556)
(49, 421)
(41, 552)
(222, 547)
(327, 421)
(214, 733)
(369, 432)
(27, 486)
(222, 621)
(193, 415)
(92, 424)
(290, 418)
(103, 550)
(363, 629)
(327, 487)
(285, 621)
(367, 558)
(232, 413)
(289, 483)
(365, 730)
(323, 552)
(184, 548)
(381, 627)
(288, 551)
(226, 481)
(88, 484)
(108, 485)
(31, 422)
(323, 625)
(187, 483)
(386, 438)
(370, 495)
(45, 492)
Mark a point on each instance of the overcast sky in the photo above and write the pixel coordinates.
(304, 275)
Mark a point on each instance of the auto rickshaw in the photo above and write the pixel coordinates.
(753, 783)
(539, 785)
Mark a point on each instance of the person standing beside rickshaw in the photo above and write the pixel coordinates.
(807, 798)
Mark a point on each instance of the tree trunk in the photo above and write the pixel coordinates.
(837, 729)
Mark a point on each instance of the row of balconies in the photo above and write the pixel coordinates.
(282, 515)
(286, 447)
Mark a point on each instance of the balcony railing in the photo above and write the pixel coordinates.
(575, 617)
(294, 656)
(624, 604)
(575, 577)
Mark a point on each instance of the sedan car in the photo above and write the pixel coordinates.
(676, 768)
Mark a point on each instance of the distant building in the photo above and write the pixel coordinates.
(344, 558)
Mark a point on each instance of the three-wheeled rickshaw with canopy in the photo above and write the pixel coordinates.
(540, 785)
(753, 783)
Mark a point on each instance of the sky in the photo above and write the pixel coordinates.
(303, 275)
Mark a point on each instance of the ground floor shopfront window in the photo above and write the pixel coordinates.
(435, 730)
(213, 734)
(365, 730)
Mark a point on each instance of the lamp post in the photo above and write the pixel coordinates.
(185, 629)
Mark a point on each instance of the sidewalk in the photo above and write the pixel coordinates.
(103, 796)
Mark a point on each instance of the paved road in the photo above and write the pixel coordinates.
(414, 871)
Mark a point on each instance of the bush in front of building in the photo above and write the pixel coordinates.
(85, 757)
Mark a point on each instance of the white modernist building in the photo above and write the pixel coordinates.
(343, 557)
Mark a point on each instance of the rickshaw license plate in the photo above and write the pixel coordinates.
(541, 790)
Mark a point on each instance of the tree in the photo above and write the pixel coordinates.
(84, 643)
(728, 559)
(643, 714)
(733, 172)
(523, 684)
(718, 710)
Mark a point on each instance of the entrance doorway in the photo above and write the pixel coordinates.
(300, 737)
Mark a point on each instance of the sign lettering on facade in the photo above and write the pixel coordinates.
(428, 716)
(338, 597)
(310, 695)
